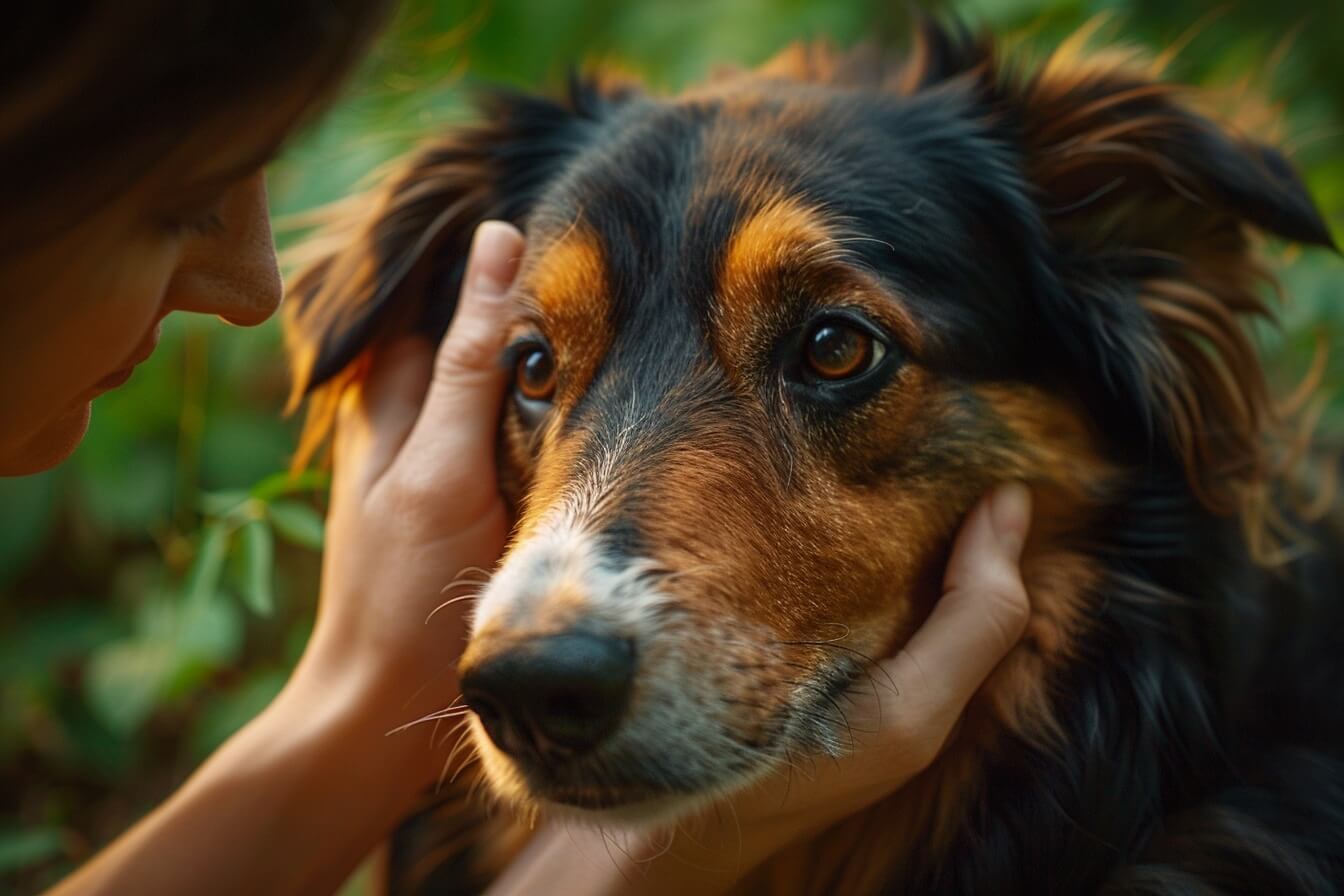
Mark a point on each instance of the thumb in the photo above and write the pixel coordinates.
(461, 409)
(984, 608)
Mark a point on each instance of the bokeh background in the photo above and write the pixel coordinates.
(155, 590)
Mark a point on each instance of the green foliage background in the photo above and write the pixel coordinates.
(155, 590)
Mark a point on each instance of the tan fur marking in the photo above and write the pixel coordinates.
(566, 282)
(788, 247)
(567, 278)
(782, 233)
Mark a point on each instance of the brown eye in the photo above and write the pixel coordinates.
(534, 377)
(836, 350)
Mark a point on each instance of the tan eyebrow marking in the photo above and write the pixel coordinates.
(774, 236)
(569, 277)
(566, 283)
(780, 235)
(791, 240)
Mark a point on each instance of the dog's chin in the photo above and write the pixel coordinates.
(630, 807)
(568, 794)
(629, 804)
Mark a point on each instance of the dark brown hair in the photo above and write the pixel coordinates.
(95, 94)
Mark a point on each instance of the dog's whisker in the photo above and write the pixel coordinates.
(436, 717)
(458, 583)
(449, 711)
(463, 740)
(472, 755)
(461, 723)
(448, 603)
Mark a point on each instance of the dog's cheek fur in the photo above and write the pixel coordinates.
(874, 549)
(983, 434)
(925, 455)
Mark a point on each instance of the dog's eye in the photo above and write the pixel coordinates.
(835, 349)
(534, 375)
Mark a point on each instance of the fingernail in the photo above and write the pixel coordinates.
(496, 251)
(1010, 512)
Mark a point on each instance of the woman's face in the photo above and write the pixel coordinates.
(81, 310)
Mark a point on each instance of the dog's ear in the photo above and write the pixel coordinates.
(1103, 137)
(1145, 212)
(391, 261)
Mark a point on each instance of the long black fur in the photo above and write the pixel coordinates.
(1205, 729)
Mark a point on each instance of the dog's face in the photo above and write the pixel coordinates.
(743, 431)
(780, 333)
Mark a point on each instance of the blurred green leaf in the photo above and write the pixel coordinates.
(124, 679)
(259, 561)
(208, 565)
(367, 879)
(175, 646)
(207, 638)
(280, 484)
(223, 503)
(296, 640)
(20, 849)
(298, 523)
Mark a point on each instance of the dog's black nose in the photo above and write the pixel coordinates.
(555, 696)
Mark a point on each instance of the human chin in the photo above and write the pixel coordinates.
(52, 444)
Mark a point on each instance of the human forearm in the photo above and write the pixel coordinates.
(289, 805)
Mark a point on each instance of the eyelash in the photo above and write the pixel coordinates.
(209, 224)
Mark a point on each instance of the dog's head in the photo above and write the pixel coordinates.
(781, 332)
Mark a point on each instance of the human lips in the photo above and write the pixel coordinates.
(119, 376)
(113, 380)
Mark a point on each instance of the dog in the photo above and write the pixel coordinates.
(782, 331)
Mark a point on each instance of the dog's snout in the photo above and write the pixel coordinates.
(554, 696)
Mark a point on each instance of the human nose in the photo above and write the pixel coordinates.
(231, 271)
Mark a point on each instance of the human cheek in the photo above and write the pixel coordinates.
(121, 329)
(85, 313)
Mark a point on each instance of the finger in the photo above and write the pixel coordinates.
(460, 413)
(389, 401)
(983, 610)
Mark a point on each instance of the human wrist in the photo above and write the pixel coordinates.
(338, 719)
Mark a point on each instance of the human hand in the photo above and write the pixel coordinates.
(415, 510)
(901, 721)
